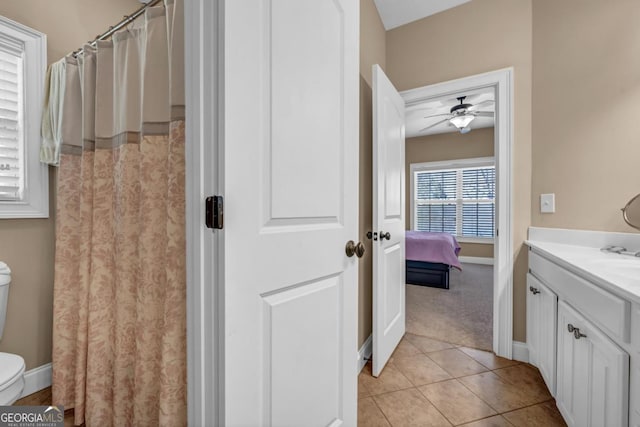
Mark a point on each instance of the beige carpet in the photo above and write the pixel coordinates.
(462, 314)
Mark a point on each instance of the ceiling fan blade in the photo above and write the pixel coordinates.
(484, 114)
(437, 115)
(435, 124)
(476, 106)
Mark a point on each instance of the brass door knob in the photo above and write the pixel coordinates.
(354, 248)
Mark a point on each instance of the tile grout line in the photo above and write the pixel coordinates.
(527, 406)
(381, 411)
(434, 405)
(487, 403)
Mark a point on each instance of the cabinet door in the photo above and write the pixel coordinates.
(593, 374)
(542, 315)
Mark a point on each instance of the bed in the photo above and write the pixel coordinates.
(429, 258)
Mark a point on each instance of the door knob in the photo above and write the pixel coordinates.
(350, 248)
(384, 235)
(534, 290)
(353, 248)
(372, 235)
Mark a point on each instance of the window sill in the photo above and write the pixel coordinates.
(479, 240)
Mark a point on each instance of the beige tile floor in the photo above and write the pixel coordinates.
(434, 383)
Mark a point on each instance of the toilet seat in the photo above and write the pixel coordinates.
(11, 378)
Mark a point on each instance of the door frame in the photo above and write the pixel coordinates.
(502, 83)
(204, 162)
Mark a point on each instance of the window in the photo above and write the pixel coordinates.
(23, 180)
(455, 197)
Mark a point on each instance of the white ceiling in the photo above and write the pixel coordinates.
(395, 13)
(416, 116)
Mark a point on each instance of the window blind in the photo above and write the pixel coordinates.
(458, 201)
(478, 208)
(11, 124)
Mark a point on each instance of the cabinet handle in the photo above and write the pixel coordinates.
(534, 290)
(577, 334)
(576, 331)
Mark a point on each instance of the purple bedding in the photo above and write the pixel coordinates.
(432, 247)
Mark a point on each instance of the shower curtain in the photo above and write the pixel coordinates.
(119, 339)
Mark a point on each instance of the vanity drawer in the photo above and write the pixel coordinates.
(610, 312)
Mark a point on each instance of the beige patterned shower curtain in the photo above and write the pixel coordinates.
(119, 339)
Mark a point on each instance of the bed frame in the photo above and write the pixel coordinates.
(431, 274)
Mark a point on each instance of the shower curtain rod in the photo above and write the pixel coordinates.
(127, 19)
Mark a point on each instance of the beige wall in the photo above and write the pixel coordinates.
(27, 246)
(449, 146)
(372, 51)
(477, 37)
(586, 82)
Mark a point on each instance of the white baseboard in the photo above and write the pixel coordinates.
(37, 379)
(476, 260)
(520, 351)
(364, 353)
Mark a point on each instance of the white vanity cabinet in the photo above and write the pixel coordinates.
(584, 337)
(542, 314)
(593, 374)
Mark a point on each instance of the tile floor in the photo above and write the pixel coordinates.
(434, 383)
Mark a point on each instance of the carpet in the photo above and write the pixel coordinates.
(462, 314)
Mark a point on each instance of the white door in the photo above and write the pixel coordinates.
(290, 119)
(388, 219)
(593, 374)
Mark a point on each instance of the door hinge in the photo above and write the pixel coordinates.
(214, 212)
(497, 233)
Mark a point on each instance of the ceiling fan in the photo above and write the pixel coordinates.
(461, 115)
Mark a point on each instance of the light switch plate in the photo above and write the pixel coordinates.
(548, 203)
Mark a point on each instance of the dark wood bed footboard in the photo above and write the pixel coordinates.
(431, 274)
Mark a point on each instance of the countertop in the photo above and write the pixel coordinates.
(617, 273)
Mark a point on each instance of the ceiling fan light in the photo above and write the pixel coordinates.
(462, 121)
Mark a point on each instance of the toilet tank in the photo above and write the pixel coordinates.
(5, 280)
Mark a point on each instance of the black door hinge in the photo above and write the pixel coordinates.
(214, 212)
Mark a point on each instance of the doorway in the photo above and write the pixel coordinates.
(501, 82)
(450, 175)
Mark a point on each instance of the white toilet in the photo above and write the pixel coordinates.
(11, 365)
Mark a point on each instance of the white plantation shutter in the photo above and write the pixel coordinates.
(459, 201)
(478, 207)
(11, 125)
(436, 206)
(24, 181)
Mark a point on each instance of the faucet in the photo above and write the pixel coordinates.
(620, 251)
(614, 249)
